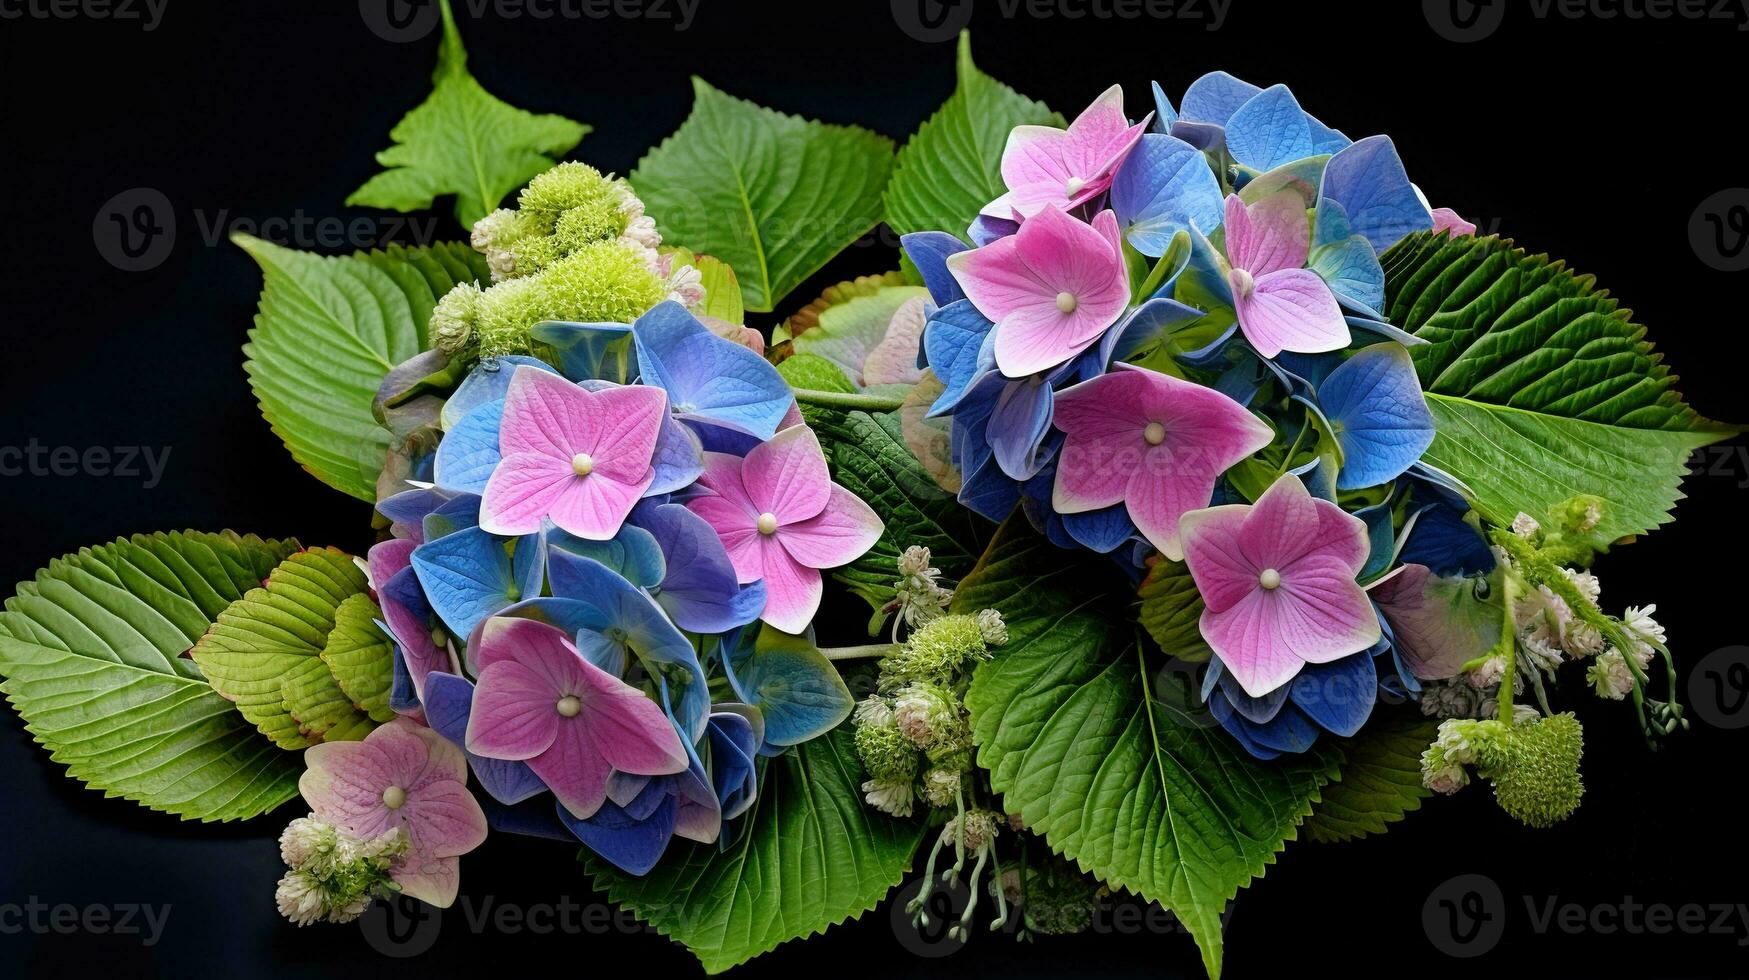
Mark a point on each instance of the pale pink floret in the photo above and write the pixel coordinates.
(539, 701)
(579, 458)
(1052, 289)
(1155, 443)
(782, 519)
(1277, 582)
(401, 776)
(1060, 169)
(1280, 305)
(1445, 219)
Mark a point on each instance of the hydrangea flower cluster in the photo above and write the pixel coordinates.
(1167, 340)
(600, 581)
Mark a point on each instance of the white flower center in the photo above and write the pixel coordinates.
(1270, 579)
(569, 706)
(1242, 282)
(1154, 434)
(394, 797)
(1073, 186)
(582, 464)
(767, 523)
(1066, 302)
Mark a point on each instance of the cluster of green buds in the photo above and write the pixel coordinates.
(334, 876)
(577, 247)
(1533, 763)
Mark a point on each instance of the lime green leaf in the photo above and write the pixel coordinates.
(774, 196)
(265, 652)
(1381, 778)
(811, 372)
(92, 655)
(953, 165)
(464, 141)
(327, 331)
(868, 457)
(1065, 720)
(360, 657)
(1172, 611)
(810, 855)
(1541, 386)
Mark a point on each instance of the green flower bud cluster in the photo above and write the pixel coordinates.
(938, 652)
(573, 250)
(1055, 898)
(334, 875)
(1534, 764)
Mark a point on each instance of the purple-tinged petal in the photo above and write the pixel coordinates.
(1369, 181)
(448, 703)
(708, 377)
(792, 590)
(1290, 310)
(1269, 236)
(787, 476)
(841, 533)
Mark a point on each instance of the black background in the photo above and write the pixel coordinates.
(1560, 132)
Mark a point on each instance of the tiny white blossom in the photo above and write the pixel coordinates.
(300, 898)
(1610, 676)
(991, 625)
(890, 796)
(1587, 583)
(1446, 781)
(1525, 526)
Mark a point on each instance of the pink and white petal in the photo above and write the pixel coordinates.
(521, 493)
(1292, 310)
(1099, 133)
(722, 476)
(737, 526)
(1210, 539)
(786, 476)
(1094, 471)
(1248, 639)
(1032, 156)
(1325, 615)
(1269, 236)
(343, 785)
(1445, 219)
(547, 415)
(628, 421)
(1282, 526)
(404, 751)
(838, 535)
(443, 819)
(385, 558)
(1212, 431)
(432, 880)
(1037, 338)
(792, 590)
(627, 728)
(1113, 404)
(595, 507)
(1161, 492)
(515, 713)
(443, 760)
(995, 279)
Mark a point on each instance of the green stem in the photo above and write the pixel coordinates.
(1508, 650)
(840, 399)
(866, 652)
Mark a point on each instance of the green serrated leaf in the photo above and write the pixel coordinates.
(265, 651)
(810, 855)
(773, 195)
(360, 657)
(1171, 611)
(868, 456)
(92, 655)
(1541, 386)
(952, 167)
(1381, 778)
(464, 141)
(327, 331)
(1066, 721)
